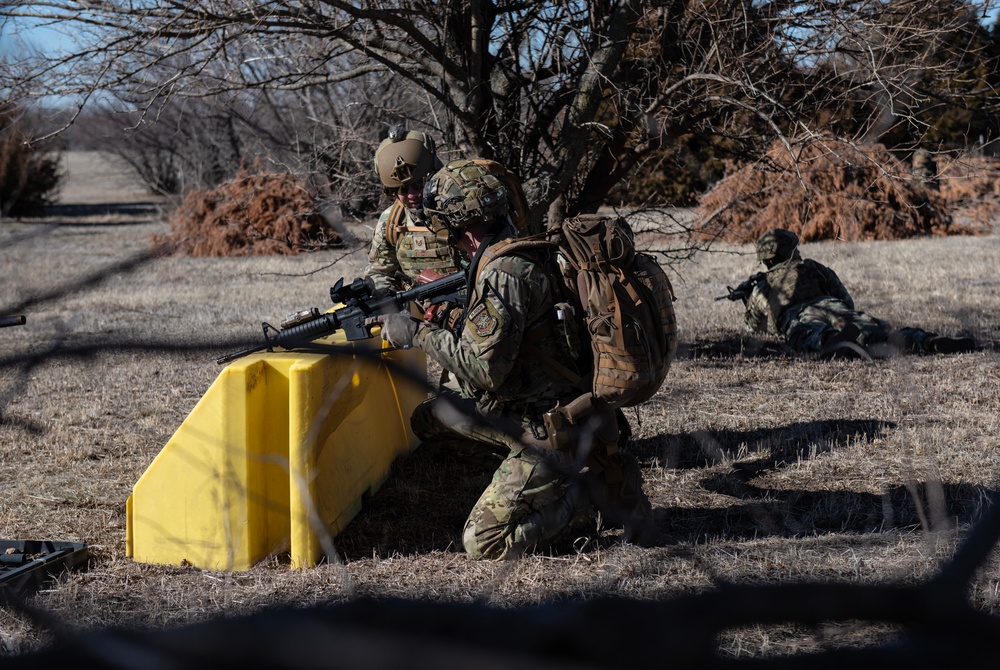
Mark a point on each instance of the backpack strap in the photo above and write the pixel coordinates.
(512, 245)
(396, 223)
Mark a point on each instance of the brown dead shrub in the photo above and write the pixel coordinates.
(969, 186)
(831, 190)
(250, 215)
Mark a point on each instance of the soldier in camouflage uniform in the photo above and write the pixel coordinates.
(552, 481)
(807, 305)
(925, 168)
(402, 245)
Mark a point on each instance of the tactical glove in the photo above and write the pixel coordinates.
(398, 329)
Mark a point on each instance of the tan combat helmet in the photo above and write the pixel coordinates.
(776, 246)
(463, 193)
(403, 158)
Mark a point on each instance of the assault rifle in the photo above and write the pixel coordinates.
(744, 288)
(361, 300)
(12, 320)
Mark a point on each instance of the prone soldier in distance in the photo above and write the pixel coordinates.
(805, 303)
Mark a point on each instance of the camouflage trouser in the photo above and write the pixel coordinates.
(454, 426)
(813, 325)
(537, 496)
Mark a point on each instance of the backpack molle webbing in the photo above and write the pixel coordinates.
(625, 303)
(628, 309)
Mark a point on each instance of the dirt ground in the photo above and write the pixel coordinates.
(763, 468)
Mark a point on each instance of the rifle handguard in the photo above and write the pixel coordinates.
(361, 300)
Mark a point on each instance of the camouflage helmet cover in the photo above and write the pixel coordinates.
(462, 193)
(405, 157)
(776, 244)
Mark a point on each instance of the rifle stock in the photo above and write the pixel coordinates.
(360, 301)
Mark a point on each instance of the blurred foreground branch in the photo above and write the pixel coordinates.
(939, 629)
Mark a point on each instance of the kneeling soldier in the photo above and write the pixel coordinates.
(552, 481)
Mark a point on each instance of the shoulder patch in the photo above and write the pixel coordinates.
(483, 321)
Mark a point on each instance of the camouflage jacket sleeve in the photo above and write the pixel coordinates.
(758, 312)
(485, 352)
(832, 284)
(382, 262)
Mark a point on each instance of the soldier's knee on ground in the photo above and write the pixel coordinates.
(849, 333)
(530, 502)
(808, 336)
(845, 344)
(485, 539)
(909, 340)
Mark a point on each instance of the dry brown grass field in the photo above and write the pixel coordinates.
(762, 467)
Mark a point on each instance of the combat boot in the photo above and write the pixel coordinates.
(615, 490)
(940, 344)
(844, 345)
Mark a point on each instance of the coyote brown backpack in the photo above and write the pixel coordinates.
(516, 202)
(628, 309)
(624, 302)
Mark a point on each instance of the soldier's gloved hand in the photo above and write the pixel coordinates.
(397, 329)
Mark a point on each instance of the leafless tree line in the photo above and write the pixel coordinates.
(574, 96)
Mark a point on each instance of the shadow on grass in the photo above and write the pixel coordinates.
(784, 445)
(791, 513)
(423, 505)
(742, 346)
(760, 511)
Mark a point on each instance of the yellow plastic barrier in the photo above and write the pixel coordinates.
(277, 455)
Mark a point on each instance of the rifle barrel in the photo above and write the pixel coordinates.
(12, 320)
(351, 318)
(228, 358)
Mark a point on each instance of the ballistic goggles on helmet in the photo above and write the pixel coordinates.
(463, 193)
